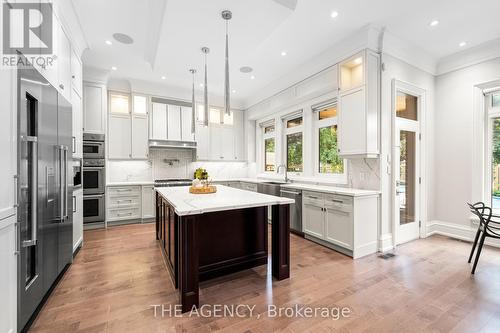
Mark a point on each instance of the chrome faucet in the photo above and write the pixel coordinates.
(286, 171)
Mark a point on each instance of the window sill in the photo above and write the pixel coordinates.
(304, 179)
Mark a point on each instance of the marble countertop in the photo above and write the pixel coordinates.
(331, 189)
(131, 183)
(226, 198)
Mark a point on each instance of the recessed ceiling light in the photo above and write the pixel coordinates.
(252, 77)
(434, 23)
(108, 42)
(358, 61)
(234, 91)
(283, 53)
(462, 44)
(334, 14)
(201, 85)
(163, 77)
(114, 68)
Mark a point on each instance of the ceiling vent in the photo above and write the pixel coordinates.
(123, 38)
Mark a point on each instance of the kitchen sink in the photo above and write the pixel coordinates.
(275, 183)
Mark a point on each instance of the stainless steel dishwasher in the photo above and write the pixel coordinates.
(295, 209)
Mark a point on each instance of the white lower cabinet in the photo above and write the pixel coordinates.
(130, 203)
(148, 202)
(8, 275)
(77, 218)
(345, 223)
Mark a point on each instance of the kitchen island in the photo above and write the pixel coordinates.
(203, 236)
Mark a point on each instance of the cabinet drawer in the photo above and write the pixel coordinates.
(124, 201)
(116, 214)
(312, 198)
(339, 202)
(127, 191)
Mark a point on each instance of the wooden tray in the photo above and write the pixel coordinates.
(203, 190)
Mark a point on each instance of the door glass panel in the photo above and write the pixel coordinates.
(407, 177)
(119, 104)
(294, 152)
(495, 159)
(140, 105)
(406, 106)
(329, 160)
(270, 154)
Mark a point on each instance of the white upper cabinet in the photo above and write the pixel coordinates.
(239, 135)
(186, 118)
(76, 103)
(174, 122)
(358, 106)
(64, 63)
(202, 142)
(158, 121)
(140, 149)
(94, 108)
(128, 126)
(76, 73)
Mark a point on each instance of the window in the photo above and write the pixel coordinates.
(294, 152)
(328, 160)
(269, 137)
(294, 143)
(494, 148)
(270, 154)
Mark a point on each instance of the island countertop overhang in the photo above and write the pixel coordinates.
(226, 198)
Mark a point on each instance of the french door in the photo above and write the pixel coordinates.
(406, 175)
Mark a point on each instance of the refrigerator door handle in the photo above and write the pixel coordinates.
(33, 140)
(61, 184)
(65, 149)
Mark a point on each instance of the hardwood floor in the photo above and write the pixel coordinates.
(427, 287)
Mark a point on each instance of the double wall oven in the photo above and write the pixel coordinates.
(94, 178)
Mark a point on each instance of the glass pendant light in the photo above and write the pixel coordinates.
(205, 51)
(226, 15)
(193, 105)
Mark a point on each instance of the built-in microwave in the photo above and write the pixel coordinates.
(93, 146)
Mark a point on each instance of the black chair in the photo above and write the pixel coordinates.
(488, 227)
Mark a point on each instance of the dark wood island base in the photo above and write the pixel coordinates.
(203, 246)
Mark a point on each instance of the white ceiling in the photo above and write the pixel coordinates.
(168, 34)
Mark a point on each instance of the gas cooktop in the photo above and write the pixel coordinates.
(172, 182)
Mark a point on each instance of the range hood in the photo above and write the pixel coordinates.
(171, 144)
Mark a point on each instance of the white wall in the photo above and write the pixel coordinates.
(453, 145)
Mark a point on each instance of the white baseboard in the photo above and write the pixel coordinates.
(457, 231)
(385, 243)
(77, 244)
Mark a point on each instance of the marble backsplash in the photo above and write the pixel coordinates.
(177, 163)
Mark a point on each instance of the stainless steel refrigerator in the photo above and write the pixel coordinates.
(45, 221)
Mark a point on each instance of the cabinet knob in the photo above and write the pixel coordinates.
(72, 76)
(61, 86)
